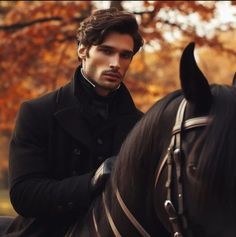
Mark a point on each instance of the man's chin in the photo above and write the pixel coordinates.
(116, 87)
(111, 85)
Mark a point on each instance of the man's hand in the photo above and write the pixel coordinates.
(101, 175)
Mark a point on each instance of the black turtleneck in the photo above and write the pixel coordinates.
(100, 105)
(97, 103)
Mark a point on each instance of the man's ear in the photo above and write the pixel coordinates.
(82, 51)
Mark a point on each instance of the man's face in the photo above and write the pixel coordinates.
(107, 63)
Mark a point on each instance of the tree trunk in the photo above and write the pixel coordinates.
(117, 4)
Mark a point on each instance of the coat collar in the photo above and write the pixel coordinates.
(72, 112)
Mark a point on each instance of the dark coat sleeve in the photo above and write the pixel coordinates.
(33, 192)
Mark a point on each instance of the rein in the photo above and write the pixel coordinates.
(177, 219)
(128, 214)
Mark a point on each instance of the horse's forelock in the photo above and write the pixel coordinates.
(217, 164)
(134, 172)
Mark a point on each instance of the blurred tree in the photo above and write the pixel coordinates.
(38, 48)
(37, 51)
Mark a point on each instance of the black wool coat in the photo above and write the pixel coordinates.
(57, 144)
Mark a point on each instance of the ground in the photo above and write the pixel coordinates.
(5, 206)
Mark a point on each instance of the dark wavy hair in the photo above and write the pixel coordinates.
(95, 28)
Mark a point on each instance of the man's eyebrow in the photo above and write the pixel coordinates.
(103, 46)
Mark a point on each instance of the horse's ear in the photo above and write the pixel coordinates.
(234, 80)
(194, 84)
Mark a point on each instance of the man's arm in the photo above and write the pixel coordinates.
(33, 192)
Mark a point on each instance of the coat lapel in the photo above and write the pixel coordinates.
(70, 114)
(73, 122)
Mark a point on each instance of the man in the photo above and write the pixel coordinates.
(61, 138)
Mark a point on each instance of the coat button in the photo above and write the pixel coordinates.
(74, 173)
(99, 141)
(70, 205)
(60, 208)
(76, 151)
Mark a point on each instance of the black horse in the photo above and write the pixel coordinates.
(176, 172)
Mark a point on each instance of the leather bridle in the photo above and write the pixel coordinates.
(178, 219)
(173, 156)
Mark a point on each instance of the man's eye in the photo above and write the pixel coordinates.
(126, 55)
(107, 51)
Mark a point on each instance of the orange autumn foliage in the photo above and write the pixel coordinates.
(38, 48)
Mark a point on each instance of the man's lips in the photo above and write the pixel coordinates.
(114, 75)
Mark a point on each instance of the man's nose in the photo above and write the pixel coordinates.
(115, 62)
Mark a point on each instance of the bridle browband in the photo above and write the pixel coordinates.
(173, 155)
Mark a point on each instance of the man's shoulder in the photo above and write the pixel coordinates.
(43, 102)
(46, 103)
(48, 98)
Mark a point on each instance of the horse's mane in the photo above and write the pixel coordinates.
(135, 165)
(140, 145)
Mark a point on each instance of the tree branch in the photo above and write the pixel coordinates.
(21, 25)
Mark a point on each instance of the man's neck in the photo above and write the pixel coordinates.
(100, 91)
(87, 78)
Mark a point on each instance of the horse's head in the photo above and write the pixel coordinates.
(206, 163)
(208, 151)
